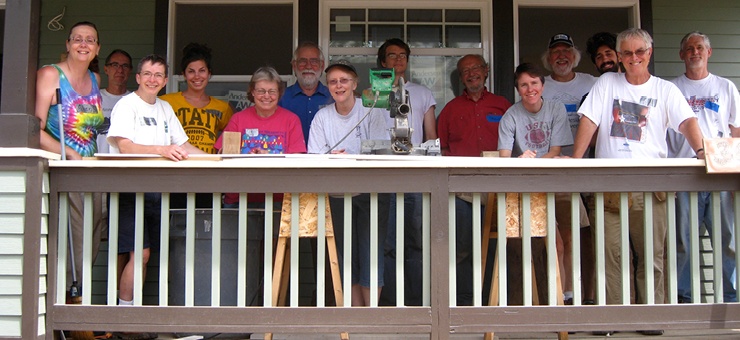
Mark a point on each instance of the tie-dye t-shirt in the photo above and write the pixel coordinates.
(82, 116)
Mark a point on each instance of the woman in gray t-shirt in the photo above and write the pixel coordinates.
(533, 127)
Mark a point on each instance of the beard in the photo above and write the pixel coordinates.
(475, 87)
(608, 66)
(562, 70)
(308, 80)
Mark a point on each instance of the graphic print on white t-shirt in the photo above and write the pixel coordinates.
(708, 102)
(630, 121)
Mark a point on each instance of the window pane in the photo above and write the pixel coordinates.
(462, 15)
(437, 73)
(424, 15)
(463, 36)
(231, 56)
(425, 36)
(357, 15)
(341, 37)
(385, 15)
(380, 33)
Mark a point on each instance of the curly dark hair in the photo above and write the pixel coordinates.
(598, 40)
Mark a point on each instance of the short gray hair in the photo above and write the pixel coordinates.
(686, 38)
(266, 73)
(634, 33)
(308, 44)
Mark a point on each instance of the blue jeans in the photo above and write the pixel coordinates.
(683, 245)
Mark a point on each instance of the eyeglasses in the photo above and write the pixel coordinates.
(78, 40)
(639, 53)
(393, 56)
(262, 92)
(476, 69)
(343, 81)
(305, 61)
(117, 65)
(147, 74)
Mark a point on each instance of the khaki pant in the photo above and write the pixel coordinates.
(76, 218)
(612, 239)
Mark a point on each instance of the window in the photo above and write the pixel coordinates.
(438, 32)
(243, 36)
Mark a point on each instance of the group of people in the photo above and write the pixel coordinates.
(624, 113)
(628, 113)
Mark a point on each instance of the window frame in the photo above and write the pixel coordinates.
(486, 25)
(174, 79)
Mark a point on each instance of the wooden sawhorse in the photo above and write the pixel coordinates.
(307, 227)
(513, 230)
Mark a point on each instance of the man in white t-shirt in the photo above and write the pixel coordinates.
(716, 102)
(631, 112)
(117, 67)
(567, 87)
(395, 54)
(564, 84)
(141, 123)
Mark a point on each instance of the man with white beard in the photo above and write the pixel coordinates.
(568, 87)
(308, 94)
(565, 85)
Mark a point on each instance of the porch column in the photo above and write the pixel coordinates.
(19, 127)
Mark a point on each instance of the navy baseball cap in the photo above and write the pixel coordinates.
(560, 38)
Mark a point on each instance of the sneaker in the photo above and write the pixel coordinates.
(603, 333)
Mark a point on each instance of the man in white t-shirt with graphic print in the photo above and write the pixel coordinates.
(631, 113)
(716, 102)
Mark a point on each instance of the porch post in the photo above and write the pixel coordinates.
(18, 124)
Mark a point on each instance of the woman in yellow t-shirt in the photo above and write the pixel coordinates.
(203, 117)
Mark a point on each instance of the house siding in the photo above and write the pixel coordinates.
(13, 192)
(672, 19)
(12, 208)
(127, 25)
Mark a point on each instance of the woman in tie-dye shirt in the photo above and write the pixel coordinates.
(80, 100)
(82, 115)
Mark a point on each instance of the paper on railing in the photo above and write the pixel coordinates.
(722, 155)
(152, 157)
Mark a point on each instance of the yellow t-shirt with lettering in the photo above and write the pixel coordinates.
(203, 125)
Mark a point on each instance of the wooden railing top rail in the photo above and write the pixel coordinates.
(368, 161)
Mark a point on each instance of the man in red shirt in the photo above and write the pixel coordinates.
(467, 126)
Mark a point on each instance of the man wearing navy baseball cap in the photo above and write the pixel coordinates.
(567, 87)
